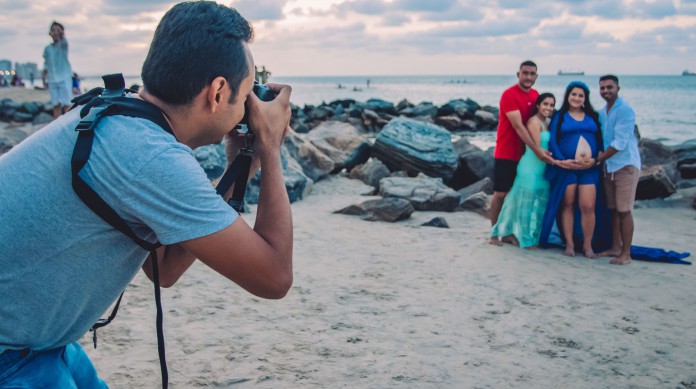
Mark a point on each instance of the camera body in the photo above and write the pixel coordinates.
(264, 93)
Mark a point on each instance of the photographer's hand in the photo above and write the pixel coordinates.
(269, 120)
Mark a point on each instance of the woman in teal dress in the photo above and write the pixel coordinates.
(521, 216)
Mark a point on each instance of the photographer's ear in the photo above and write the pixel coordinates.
(216, 93)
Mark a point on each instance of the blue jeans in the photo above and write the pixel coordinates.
(63, 367)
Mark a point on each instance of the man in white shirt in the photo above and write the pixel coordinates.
(57, 73)
(622, 172)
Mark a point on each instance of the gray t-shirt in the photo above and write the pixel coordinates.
(61, 266)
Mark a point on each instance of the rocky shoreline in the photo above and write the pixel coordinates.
(405, 151)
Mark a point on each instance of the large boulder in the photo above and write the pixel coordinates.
(297, 184)
(381, 106)
(342, 143)
(417, 147)
(655, 182)
(463, 108)
(686, 158)
(315, 164)
(653, 153)
(485, 185)
(425, 109)
(474, 164)
(371, 172)
(424, 193)
(388, 210)
(478, 202)
(450, 122)
(212, 159)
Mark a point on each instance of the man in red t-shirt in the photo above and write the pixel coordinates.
(515, 107)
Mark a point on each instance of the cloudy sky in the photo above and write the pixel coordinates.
(381, 37)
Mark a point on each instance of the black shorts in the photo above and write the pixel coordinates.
(504, 173)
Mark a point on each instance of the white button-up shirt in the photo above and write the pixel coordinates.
(618, 132)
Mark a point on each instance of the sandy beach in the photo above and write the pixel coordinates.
(22, 95)
(379, 305)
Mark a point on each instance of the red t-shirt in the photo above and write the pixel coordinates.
(508, 144)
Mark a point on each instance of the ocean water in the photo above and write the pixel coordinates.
(665, 106)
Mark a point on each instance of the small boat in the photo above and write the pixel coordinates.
(571, 73)
(688, 73)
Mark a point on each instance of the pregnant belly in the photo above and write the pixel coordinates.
(583, 150)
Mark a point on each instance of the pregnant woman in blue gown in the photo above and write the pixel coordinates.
(575, 214)
(523, 209)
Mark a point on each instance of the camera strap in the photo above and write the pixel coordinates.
(238, 174)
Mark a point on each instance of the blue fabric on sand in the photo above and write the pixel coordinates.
(653, 254)
(524, 206)
(66, 367)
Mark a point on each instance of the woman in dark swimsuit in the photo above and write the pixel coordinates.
(576, 139)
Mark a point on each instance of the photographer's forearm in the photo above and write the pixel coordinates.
(273, 215)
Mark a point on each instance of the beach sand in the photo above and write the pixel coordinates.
(22, 95)
(378, 305)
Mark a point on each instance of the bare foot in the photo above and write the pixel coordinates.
(621, 260)
(569, 251)
(494, 241)
(610, 253)
(511, 240)
(589, 253)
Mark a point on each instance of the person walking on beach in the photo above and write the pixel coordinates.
(63, 266)
(516, 104)
(57, 73)
(622, 167)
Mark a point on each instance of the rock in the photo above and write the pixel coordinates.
(342, 143)
(462, 108)
(468, 125)
(345, 103)
(424, 193)
(381, 106)
(687, 170)
(403, 104)
(438, 222)
(426, 109)
(485, 118)
(655, 182)
(22, 117)
(474, 164)
(406, 144)
(297, 184)
(485, 185)
(693, 204)
(450, 122)
(42, 118)
(478, 202)
(389, 210)
(315, 164)
(212, 159)
(686, 158)
(371, 172)
(686, 184)
(31, 108)
(653, 153)
(321, 113)
(369, 114)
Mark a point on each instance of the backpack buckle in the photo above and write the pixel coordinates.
(87, 123)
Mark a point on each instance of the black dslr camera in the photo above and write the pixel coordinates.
(264, 93)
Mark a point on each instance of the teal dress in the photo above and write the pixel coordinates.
(524, 207)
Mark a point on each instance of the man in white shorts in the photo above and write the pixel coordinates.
(57, 73)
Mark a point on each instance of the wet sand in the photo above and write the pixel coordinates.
(378, 305)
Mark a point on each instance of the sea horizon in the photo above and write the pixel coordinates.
(664, 104)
